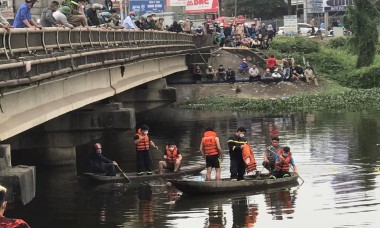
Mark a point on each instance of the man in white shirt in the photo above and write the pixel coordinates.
(310, 75)
(276, 76)
(129, 21)
(254, 74)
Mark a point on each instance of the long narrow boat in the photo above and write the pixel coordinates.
(251, 183)
(183, 171)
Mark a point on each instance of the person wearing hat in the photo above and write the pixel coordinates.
(8, 222)
(235, 143)
(276, 75)
(92, 14)
(129, 21)
(23, 18)
(143, 144)
(61, 16)
(173, 158)
(284, 159)
(101, 164)
(210, 73)
(160, 24)
(77, 16)
(244, 68)
(220, 73)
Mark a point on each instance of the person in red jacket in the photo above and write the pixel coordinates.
(8, 222)
(271, 63)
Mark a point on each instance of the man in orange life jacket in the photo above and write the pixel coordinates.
(172, 158)
(210, 148)
(8, 222)
(270, 154)
(143, 142)
(284, 159)
(235, 143)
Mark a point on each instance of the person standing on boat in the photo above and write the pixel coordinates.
(270, 154)
(172, 158)
(143, 142)
(284, 160)
(101, 164)
(235, 145)
(211, 150)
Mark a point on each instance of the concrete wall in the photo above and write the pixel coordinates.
(28, 108)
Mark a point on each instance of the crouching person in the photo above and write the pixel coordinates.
(101, 164)
(172, 158)
(284, 159)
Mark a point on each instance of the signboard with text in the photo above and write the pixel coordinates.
(337, 5)
(141, 6)
(176, 2)
(290, 25)
(202, 6)
(316, 6)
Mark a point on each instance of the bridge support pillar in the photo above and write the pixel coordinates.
(150, 95)
(19, 180)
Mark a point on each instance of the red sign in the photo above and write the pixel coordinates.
(202, 6)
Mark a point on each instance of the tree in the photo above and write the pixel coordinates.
(361, 19)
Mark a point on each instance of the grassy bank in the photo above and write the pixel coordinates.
(351, 99)
(343, 86)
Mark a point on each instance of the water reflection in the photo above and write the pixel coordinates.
(336, 154)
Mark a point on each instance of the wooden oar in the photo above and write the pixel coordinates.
(121, 171)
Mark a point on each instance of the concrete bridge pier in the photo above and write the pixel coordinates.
(148, 96)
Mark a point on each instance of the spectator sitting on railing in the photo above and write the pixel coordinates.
(23, 18)
(128, 21)
(3, 22)
(92, 15)
(47, 19)
(61, 16)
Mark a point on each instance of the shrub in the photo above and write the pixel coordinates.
(340, 42)
(365, 78)
(295, 45)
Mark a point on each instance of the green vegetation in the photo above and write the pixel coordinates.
(352, 100)
(335, 60)
(362, 20)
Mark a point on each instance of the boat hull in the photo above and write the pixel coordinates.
(226, 185)
(185, 170)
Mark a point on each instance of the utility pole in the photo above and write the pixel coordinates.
(305, 11)
(235, 8)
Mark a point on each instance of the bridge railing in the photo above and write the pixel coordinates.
(28, 41)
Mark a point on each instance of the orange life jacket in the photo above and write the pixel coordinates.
(249, 158)
(172, 155)
(283, 165)
(143, 144)
(209, 143)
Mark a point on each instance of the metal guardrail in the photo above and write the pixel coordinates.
(25, 40)
(31, 55)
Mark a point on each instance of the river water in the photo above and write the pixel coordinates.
(336, 154)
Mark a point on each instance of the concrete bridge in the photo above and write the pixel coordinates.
(47, 73)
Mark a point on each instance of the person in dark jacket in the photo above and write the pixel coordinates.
(47, 19)
(92, 15)
(235, 143)
(101, 164)
(230, 76)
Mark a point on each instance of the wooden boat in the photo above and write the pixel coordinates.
(251, 183)
(183, 171)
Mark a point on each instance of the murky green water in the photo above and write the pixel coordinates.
(336, 154)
